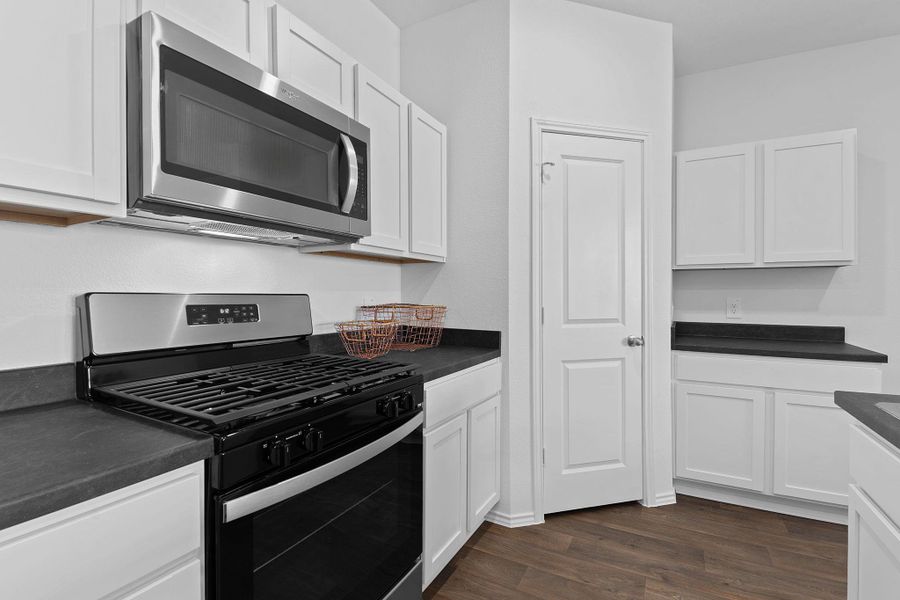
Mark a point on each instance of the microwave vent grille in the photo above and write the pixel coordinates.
(242, 230)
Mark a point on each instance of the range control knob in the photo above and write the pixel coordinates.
(407, 401)
(388, 407)
(279, 453)
(311, 439)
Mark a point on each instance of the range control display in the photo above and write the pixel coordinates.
(222, 314)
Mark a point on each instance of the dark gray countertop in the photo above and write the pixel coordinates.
(864, 408)
(790, 341)
(55, 456)
(459, 349)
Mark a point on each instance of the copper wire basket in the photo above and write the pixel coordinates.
(418, 325)
(367, 339)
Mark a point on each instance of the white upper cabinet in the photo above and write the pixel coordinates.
(384, 111)
(810, 198)
(309, 62)
(716, 206)
(238, 26)
(62, 148)
(427, 184)
(775, 203)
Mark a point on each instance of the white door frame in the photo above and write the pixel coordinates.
(539, 127)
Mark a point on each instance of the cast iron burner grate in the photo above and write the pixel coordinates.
(228, 394)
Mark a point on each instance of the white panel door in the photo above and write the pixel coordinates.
(427, 184)
(445, 495)
(384, 111)
(812, 440)
(62, 107)
(238, 26)
(715, 206)
(311, 63)
(592, 298)
(810, 198)
(720, 435)
(873, 552)
(484, 466)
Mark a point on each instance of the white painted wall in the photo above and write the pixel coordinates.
(357, 27)
(579, 64)
(466, 86)
(834, 88)
(43, 269)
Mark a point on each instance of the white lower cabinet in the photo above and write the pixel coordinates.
(143, 542)
(721, 434)
(445, 494)
(873, 551)
(462, 432)
(765, 431)
(810, 453)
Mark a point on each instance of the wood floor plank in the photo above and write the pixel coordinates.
(693, 550)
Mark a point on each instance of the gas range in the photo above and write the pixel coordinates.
(290, 427)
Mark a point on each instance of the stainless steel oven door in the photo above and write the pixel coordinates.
(349, 528)
(217, 135)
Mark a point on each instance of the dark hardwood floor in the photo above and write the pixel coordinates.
(693, 550)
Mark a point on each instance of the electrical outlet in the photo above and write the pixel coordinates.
(733, 309)
(368, 300)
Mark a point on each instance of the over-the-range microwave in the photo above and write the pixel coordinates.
(218, 146)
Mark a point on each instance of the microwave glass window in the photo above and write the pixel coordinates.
(218, 130)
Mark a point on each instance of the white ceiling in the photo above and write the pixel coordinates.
(710, 34)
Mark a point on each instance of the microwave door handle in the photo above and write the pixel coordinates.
(266, 497)
(353, 166)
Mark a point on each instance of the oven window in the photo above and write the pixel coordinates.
(352, 537)
(220, 131)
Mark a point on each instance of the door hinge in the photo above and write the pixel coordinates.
(543, 456)
(542, 315)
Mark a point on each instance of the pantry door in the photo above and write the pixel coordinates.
(591, 294)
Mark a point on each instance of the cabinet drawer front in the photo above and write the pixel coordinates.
(105, 544)
(720, 435)
(775, 372)
(457, 393)
(875, 467)
(811, 448)
(184, 583)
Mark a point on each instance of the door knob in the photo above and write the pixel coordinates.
(635, 340)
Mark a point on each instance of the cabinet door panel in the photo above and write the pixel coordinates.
(720, 435)
(715, 212)
(445, 495)
(484, 470)
(311, 63)
(812, 441)
(810, 198)
(427, 184)
(62, 146)
(384, 111)
(238, 26)
(873, 551)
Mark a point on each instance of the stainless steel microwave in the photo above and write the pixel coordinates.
(217, 146)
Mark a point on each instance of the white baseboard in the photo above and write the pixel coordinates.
(519, 520)
(663, 499)
(788, 506)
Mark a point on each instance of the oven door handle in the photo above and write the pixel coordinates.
(266, 497)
